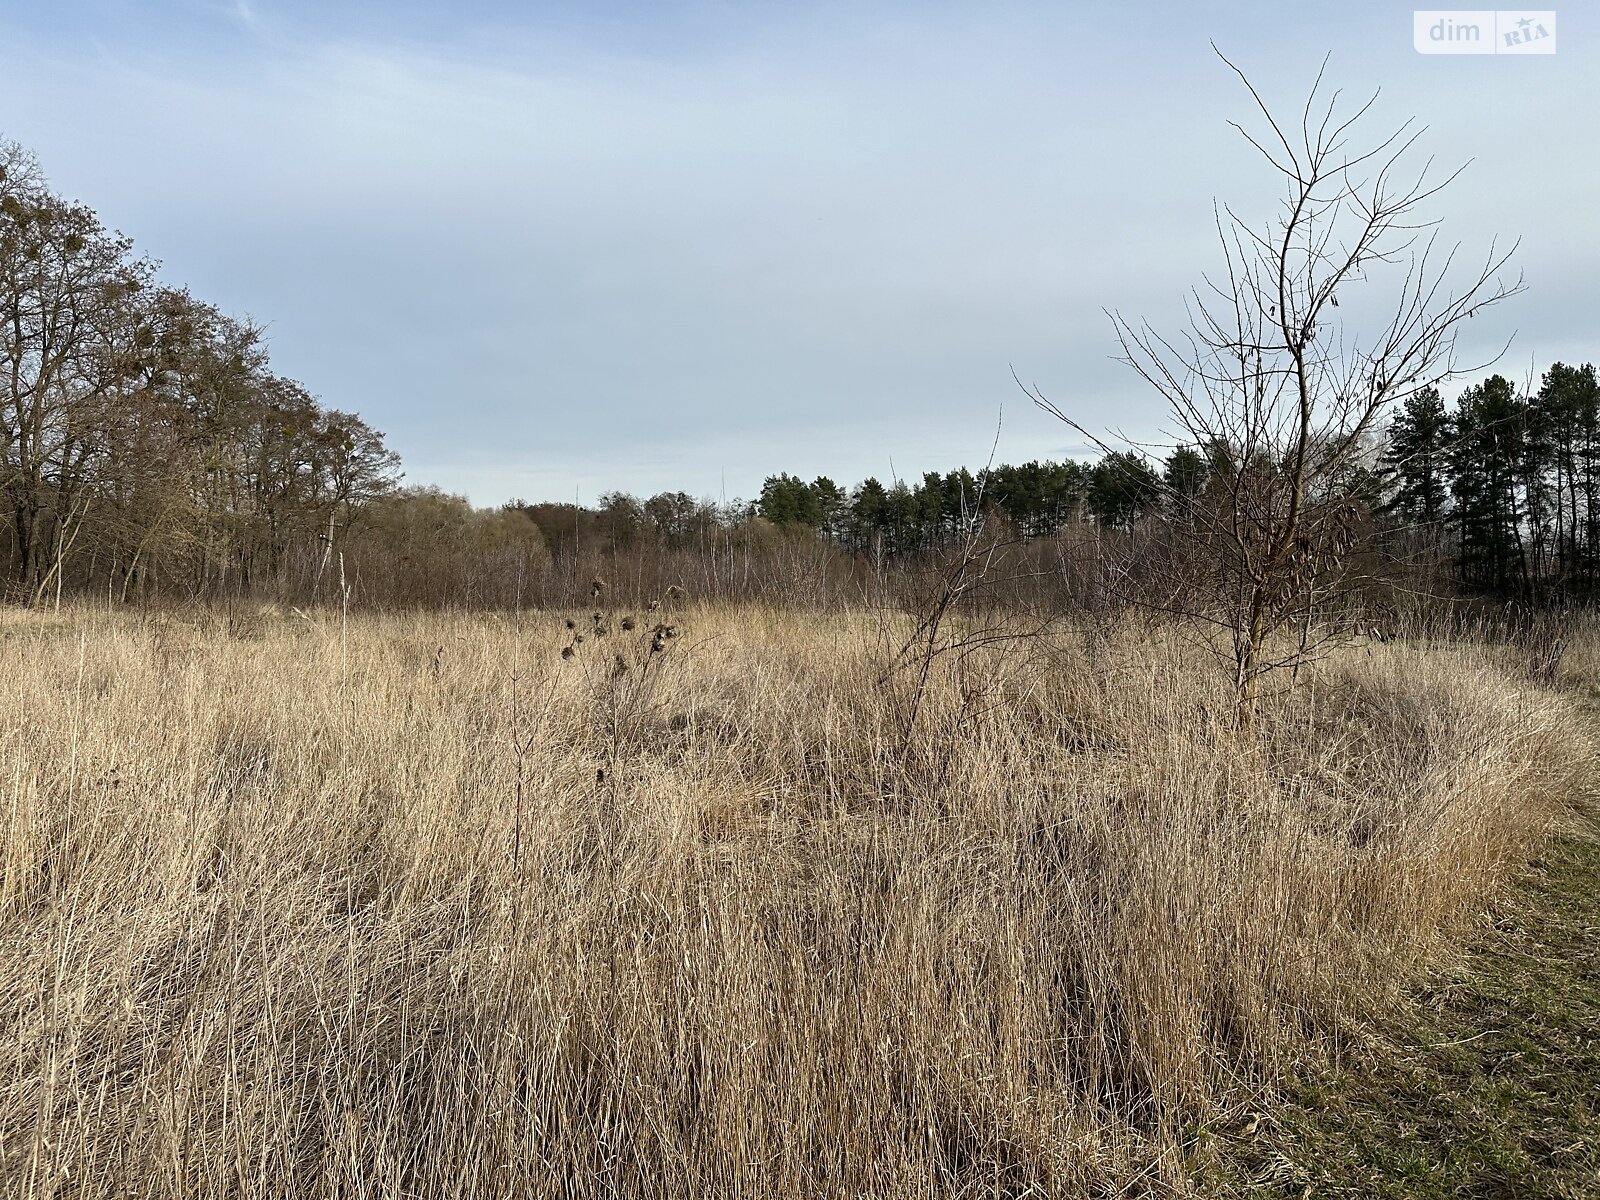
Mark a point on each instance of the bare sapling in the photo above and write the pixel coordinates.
(1282, 393)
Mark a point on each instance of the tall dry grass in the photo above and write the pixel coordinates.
(415, 907)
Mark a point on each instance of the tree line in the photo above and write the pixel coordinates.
(145, 441)
(147, 447)
(1497, 494)
(1036, 498)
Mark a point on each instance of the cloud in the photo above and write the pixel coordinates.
(529, 256)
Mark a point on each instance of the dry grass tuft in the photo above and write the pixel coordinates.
(276, 923)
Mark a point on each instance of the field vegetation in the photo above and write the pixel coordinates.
(717, 901)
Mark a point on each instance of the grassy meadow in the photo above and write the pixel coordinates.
(421, 906)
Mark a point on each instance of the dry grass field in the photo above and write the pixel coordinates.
(415, 906)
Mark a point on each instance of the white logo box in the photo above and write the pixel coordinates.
(1483, 31)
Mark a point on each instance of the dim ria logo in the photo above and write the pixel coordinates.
(1483, 31)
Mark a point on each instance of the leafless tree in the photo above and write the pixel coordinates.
(1340, 304)
(71, 345)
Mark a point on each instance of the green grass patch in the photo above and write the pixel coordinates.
(1487, 1086)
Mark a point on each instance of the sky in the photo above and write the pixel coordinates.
(556, 249)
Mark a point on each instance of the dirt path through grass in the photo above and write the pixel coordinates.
(1491, 1088)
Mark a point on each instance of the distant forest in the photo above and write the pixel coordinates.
(147, 449)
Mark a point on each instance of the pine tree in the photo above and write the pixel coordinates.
(1569, 402)
(1185, 473)
(787, 500)
(830, 502)
(1122, 488)
(1486, 462)
(1416, 467)
(868, 515)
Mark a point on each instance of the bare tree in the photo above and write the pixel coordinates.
(71, 344)
(1342, 303)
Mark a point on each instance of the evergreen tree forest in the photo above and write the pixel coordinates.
(1504, 486)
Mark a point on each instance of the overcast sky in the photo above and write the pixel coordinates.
(551, 248)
